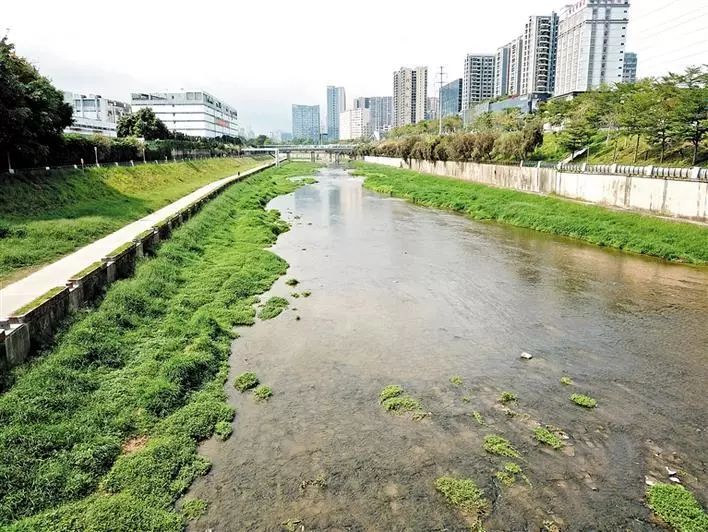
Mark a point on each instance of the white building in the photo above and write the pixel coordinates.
(193, 113)
(591, 42)
(94, 114)
(538, 56)
(410, 94)
(477, 80)
(355, 124)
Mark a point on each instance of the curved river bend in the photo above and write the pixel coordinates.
(411, 296)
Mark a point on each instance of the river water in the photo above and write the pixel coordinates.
(411, 296)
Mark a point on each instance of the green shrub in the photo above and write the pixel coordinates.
(456, 380)
(223, 430)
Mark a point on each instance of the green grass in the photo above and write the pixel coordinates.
(507, 476)
(223, 430)
(273, 307)
(44, 218)
(677, 507)
(263, 393)
(246, 381)
(544, 435)
(151, 359)
(292, 282)
(507, 397)
(583, 400)
(674, 241)
(478, 417)
(194, 508)
(95, 266)
(494, 444)
(456, 380)
(394, 399)
(465, 496)
(38, 301)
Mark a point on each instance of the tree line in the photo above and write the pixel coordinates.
(669, 113)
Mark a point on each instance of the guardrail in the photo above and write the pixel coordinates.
(659, 172)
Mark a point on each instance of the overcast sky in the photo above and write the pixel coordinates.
(261, 57)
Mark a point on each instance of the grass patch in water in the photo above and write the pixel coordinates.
(544, 435)
(294, 294)
(465, 496)
(306, 293)
(677, 507)
(223, 430)
(583, 400)
(509, 474)
(478, 417)
(393, 399)
(567, 381)
(263, 393)
(273, 307)
(638, 233)
(456, 380)
(149, 360)
(292, 282)
(507, 397)
(495, 444)
(246, 381)
(193, 509)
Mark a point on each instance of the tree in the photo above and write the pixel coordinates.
(33, 114)
(143, 123)
(691, 117)
(635, 106)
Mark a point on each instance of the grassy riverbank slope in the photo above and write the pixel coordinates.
(101, 433)
(44, 218)
(674, 241)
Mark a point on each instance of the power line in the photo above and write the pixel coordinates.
(645, 15)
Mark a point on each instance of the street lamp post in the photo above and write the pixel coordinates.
(95, 152)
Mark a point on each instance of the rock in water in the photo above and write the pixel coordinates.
(525, 355)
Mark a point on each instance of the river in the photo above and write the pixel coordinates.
(411, 296)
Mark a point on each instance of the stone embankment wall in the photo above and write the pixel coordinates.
(680, 198)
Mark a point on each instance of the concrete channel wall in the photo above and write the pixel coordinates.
(680, 198)
(28, 330)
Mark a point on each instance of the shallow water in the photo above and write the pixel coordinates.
(406, 295)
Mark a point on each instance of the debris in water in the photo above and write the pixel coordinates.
(649, 481)
(671, 472)
(525, 355)
(675, 479)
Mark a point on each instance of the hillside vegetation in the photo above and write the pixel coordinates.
(674, 241)
(44, 218)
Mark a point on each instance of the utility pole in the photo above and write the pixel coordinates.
(440, 83)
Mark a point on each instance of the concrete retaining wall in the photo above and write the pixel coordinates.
(25, 333)
(680, 198)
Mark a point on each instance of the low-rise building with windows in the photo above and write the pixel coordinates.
(94, 115)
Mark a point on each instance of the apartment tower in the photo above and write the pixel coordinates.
(410, 94)
(478, 79)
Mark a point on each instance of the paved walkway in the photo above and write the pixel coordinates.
(37, 284)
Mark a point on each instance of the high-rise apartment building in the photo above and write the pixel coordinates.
(94, 114)
(538, 55)
(355, 124)
(433, 107)
(451, 98)
(478, 79)
(629, 68)
(381, 111)
(591, 42)
(336, 104)
(306, 123)
(410, 94)
(501, 71)
(194, 113)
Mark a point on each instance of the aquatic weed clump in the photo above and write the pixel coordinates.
(292, 282)
(544, 435)
(273, 307)
(583, 400)
(246, 381)
(393, 399)
(495, 444)
(263, 393)
(465, 496)
(508, 475)
(566, 381)
(507, 397)
(223, 430)
(677, 507)
(194, 508)
(456, 380)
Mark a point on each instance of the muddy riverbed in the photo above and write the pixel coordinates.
(411, 296)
